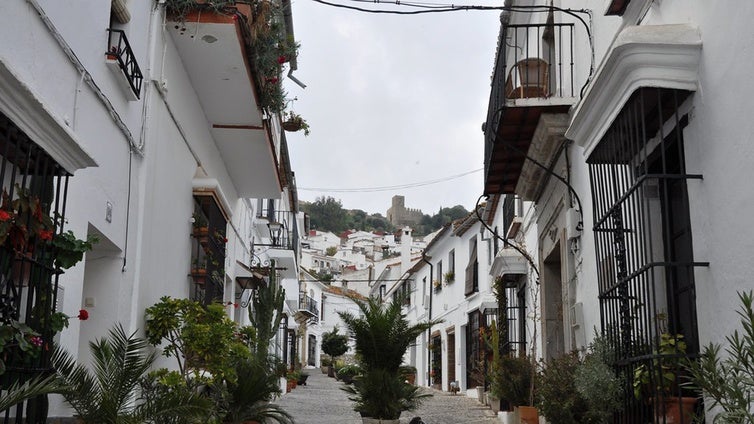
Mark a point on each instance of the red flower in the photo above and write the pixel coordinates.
(235, 305)
(225, 239)
(4, 215)
(282, 59)
(45, 234)
(83, 315)
(273, 80)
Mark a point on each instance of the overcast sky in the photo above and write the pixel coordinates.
(391, 100)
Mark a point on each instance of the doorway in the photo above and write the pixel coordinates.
(552, 305)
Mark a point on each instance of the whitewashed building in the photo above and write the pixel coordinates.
(140, 127)
(614, 125)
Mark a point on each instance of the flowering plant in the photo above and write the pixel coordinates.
(24, 223)
(294, 122)
(18, 335)
(23, 218)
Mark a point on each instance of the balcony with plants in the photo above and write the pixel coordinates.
(534, 83)
(235, 54)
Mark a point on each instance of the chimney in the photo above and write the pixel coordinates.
(406, 242)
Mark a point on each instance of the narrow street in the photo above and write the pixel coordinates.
(322, 401)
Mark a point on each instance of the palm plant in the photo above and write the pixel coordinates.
(250, 394)
(109, 394)
(383, 334)
(37, 386)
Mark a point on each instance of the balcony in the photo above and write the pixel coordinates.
(307, 308)
(122, 61)
(534, 77)
(282, 243)
(216, 49)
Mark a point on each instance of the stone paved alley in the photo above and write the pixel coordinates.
(322, 402)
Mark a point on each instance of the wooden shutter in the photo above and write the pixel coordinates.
(471, 271)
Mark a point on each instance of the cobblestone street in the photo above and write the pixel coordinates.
(322, 402)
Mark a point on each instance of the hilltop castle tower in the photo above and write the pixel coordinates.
(399, 215)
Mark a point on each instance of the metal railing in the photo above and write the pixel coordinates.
(306, 303)
(120, 50)
(287, 237)
(533, 61)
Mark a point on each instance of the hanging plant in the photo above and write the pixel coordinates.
(294, 122)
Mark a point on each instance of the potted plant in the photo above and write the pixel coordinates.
(382, 335)
(250, 393)
(294, 122)
(409, 373)
(727, 381)
(334, 345)
(325, 362)
(493, 373)
(348, 372)
(516, 386)
(596, 382)
(659, 380)
(557, 398)
(450, 277)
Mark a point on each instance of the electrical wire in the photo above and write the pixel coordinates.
(393, 187)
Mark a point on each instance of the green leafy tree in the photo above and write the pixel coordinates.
(326, 214)
(331, 251)
(199, 338)
(334, 344)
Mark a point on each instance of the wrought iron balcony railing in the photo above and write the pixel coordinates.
(307, 305)
(120, 50)
(534, 61)
(283, 229)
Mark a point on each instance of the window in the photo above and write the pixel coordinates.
(643, 234)
(438, 277)
(452, 261)
(322, 308)
(28, 280)
(208, 251)
(472, 269)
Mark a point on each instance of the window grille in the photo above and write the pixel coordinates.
(643, 242)
(28, 279)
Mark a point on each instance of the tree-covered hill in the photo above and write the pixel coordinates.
(327, 214)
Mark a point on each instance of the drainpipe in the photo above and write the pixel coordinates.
(288, 18)
(425, 259)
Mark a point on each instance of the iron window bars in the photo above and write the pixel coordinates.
(209, 253)
(120, 50)
(643, 244)
(28, 281)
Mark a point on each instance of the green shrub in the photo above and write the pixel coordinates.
(597, 383)
(516, 379)
(728, 383)
(557, 397)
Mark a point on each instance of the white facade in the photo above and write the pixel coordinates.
(683, 269)
(143, 163)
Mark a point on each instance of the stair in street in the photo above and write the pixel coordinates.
(322, 401)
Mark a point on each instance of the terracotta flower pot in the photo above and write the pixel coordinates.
(674, 408)
(527, 415)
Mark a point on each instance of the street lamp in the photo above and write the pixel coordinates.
(276, 230)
